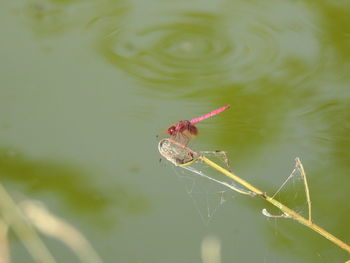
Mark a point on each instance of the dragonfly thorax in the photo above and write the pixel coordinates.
(181, 127)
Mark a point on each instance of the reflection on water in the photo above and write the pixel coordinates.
(232, 45)
(182, 52)
(52, 17)
(283, 65)
(70, 184)
(48, 17)
(336, 25)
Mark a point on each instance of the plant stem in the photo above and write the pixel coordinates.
(181, 155)
(291, 213)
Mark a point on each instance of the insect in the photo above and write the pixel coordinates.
(183, 130)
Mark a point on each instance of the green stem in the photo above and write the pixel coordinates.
(291, 213)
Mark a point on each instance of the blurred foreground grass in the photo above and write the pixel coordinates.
(25, 218)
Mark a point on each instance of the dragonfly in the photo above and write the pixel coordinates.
(183, 130)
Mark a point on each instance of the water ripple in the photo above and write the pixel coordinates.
(210, 49)
(181, 52)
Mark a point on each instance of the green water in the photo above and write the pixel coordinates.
(86, 85)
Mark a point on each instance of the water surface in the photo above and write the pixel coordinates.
(86, 85)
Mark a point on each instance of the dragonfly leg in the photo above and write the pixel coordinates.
(182, 138)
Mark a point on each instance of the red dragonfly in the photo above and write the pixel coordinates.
(183, 130)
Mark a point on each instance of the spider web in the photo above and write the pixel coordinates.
(208, 189)
(294, 191)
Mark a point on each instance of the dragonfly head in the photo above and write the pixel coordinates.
(172, 130)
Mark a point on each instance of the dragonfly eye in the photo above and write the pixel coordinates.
(171, 130)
